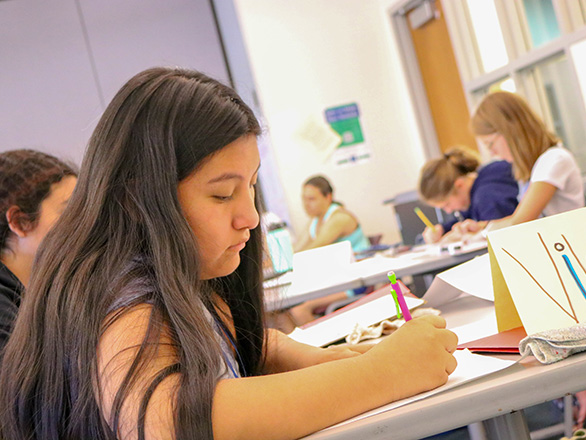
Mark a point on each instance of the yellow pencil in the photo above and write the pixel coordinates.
(424, 218)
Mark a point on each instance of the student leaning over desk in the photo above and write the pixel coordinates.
(549, 177)
(457, 182)
(144, 317)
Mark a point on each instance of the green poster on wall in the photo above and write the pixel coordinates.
(345, 120)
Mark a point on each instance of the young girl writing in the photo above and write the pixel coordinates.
(549, 177)
(144, 314)
(456, 182)
(34, 190)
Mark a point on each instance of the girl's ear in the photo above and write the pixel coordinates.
(459, 182)
(18, 221)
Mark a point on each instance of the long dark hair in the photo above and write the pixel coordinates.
(123, 223)
(26, 177)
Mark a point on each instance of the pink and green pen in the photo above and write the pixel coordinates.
(397, 294)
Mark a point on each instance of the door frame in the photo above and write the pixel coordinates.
(415, 85)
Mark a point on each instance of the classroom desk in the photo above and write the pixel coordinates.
(287, 290)
(295, 289)
(496, 399)
(416, 262)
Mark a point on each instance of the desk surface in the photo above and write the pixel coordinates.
(517, 387)
(522, 385)
(370, 271)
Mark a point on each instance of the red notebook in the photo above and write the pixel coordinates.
(503, 342)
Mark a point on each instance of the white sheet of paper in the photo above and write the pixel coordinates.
(544, 265)
(472, 277)
(327, 258)
(470, 367)
(338, 327)
(440, 292)
(481, 328)
(316, 132)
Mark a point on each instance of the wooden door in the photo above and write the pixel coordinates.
(442, 82)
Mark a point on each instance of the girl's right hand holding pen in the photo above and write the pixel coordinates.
(433, 235)
(416, 358)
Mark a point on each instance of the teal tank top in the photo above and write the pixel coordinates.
(357, 239)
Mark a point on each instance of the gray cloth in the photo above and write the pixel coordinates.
(554, 345)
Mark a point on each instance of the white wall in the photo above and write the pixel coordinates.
(309, 55)
(63, 60)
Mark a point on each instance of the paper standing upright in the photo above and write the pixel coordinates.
(543, 263)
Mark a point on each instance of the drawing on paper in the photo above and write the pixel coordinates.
(562, 249)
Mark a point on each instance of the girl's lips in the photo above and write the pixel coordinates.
(239, 246)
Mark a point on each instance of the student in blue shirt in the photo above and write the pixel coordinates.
(456, 182)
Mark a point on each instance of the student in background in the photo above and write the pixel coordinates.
(457, 182)
(330, 221)
(549, 177)
(144, 317)
(34, 190)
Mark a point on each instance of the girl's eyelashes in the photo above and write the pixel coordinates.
(222, 198)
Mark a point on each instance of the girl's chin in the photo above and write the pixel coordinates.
(222, 270)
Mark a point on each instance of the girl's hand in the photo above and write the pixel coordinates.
(433, 235)
(417, 357)
(469, 226)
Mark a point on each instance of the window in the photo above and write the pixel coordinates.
(537, 49)
(488, 34)
(542, 21)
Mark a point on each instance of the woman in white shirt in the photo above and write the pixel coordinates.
(549, 178)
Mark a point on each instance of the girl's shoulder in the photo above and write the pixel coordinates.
(556, 152)
(340, 213)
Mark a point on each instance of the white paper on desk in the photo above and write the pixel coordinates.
(332, 256)
(480, 328)
(339, 326)
(470, 367)
(472, 277)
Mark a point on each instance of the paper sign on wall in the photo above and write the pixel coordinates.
(345, 120)
(543, 266)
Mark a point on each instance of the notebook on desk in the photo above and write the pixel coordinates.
(503, 342)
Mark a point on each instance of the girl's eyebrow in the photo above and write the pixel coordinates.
(229, 176)
(225, 176)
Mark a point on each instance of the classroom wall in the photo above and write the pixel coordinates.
(309, 55)
(63, 60)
